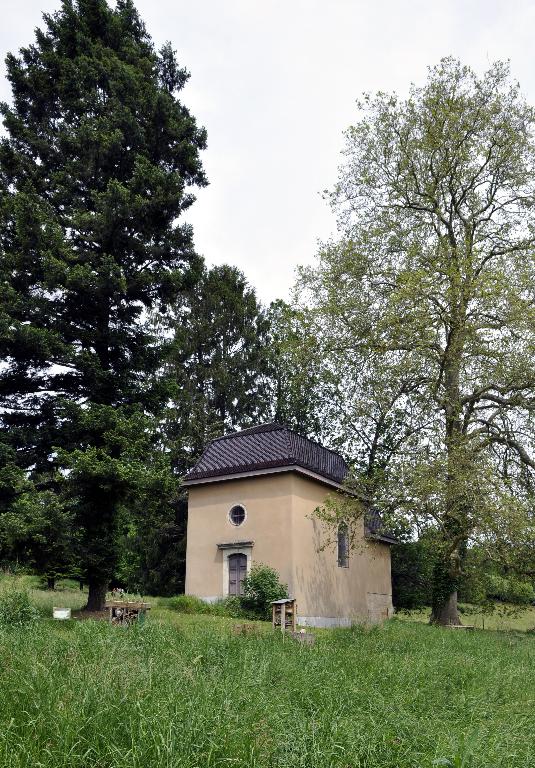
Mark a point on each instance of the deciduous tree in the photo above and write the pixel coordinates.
(427, 299)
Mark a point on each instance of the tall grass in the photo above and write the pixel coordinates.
(64, 596)
(184, 691)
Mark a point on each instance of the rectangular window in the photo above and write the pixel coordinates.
(343, 546)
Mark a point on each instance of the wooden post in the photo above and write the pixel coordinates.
(294, 615)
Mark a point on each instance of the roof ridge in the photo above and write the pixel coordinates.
(274, 426)
(269, 426)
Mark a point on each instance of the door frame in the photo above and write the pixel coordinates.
(247, 551)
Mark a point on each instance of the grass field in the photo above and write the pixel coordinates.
(505, 617)
(185, 691)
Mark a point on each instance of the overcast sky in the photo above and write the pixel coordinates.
(275, 84)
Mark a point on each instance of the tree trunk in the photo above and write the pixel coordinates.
(447, 612)
(96, 599)
(51, 582)
(448, 568)
(446, 575)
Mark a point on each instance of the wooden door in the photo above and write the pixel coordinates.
(237, 568)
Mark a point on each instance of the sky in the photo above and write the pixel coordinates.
(275, 84)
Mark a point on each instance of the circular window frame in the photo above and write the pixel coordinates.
(229, 515)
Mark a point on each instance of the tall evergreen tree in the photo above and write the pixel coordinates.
(96, 167)
(220, 362)
(298, 386)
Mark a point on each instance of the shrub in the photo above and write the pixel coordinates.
(188, 604)
(511, 590)
(16, 609)
(412, 573)
(261, 586)
(520, 592)
(232, 606)
(497, 587)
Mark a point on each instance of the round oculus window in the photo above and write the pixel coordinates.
(236, 514)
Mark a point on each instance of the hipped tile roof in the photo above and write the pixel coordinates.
(268, 446)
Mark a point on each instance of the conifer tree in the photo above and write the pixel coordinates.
(220, 362)
(96, 167)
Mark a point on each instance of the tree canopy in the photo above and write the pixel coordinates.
(96, 169)
(424, 308)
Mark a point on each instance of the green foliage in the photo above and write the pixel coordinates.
(521, 592)
(97, 163)
(423, 315)
(219, 362)
(233, 606)
(472, 588)
(497, 586)
(298, 390)
(412, 573)
(509, 589)
(229, 606)
(260, 587)
(188, 604)
(413, 567)
(152, 553)
(37, 529)
(16, 610)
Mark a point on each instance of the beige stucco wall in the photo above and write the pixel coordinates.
(268, 502)
(289, 538)
(325, 591)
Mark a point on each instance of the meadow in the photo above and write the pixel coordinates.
(185, 690)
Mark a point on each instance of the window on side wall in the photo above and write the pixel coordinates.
(343, 546)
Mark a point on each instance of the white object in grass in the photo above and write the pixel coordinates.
(61, 613)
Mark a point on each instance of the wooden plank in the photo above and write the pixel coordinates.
(459, 626)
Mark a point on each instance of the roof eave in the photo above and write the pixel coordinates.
(384, 538)
(269, 471)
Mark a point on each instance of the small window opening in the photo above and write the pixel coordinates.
(343, 546)
(237, 514)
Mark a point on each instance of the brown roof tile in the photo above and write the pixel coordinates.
(268, 446)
